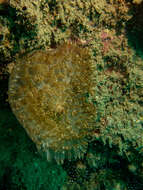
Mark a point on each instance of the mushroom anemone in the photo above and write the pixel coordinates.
(48, 93)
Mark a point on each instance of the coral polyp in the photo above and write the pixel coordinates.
(48, 94)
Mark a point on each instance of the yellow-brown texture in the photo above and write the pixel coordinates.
(6, 45)
(47, 93)
(137, 1)
(58, 20)
(4, 1)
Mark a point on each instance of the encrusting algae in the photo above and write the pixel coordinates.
(48, 93)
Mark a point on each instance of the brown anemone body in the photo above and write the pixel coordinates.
(48, 94)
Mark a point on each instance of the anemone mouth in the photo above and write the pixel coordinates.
(47, 93)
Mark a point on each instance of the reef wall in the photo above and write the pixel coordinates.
(112, 32)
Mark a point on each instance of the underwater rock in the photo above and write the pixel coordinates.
(48, 93)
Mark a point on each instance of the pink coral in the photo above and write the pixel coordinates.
(106, 39)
